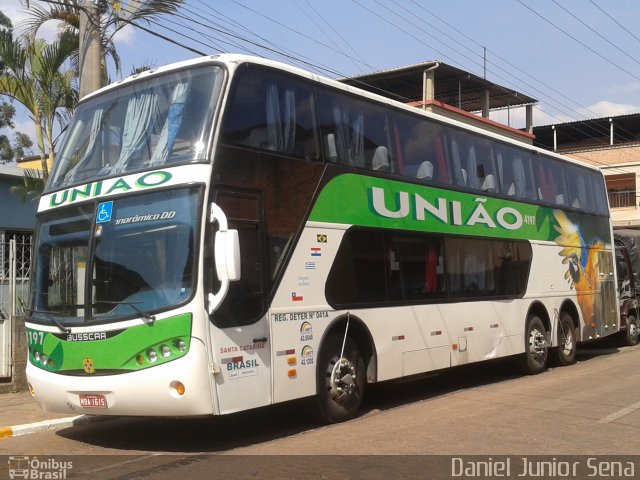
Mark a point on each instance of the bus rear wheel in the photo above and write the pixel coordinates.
(536, 347)
(340, 380)
(632, 335)
(566, 351)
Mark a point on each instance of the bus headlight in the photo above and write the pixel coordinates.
(165, 351)
(153, 356)
(180, 345)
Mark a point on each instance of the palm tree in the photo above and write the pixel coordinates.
(113, 17)
(33, 183)
(37, 75)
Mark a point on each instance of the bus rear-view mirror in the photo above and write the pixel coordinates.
(227, 255)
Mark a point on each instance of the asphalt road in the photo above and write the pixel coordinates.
(591, 409)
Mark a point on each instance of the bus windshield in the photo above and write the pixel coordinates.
(136, 260)
(142, 125)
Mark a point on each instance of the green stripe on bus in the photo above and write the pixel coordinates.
(377, 202)
(126, 350)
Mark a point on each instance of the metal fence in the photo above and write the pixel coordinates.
(622, 198)
(15, 270)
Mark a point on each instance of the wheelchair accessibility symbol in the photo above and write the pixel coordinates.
(104, 212)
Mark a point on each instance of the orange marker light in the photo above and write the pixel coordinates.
(178, 388)
(291, 360)
(292, 373)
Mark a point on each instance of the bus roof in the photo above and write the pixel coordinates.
(232, 60)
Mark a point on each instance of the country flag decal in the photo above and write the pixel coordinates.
(296, 298)
(321, 237)
(316, 252)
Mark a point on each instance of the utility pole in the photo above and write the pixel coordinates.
(90, 48)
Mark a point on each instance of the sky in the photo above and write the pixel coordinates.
(578, 58)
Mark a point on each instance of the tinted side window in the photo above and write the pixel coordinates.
(579, 183)
(514, 172)
(379, 268)
(470, 267)
(415, 267)
(420, 148)
(472, 162)
(551, 181)
(272, 112)
(355, 132)
(601, 202)
(358, 273)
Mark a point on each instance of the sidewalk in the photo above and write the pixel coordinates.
(20, 414)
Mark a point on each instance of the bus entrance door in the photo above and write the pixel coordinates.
(240, 331)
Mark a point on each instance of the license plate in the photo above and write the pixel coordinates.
(93, 400)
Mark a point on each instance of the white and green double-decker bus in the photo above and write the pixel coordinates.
(230, 232)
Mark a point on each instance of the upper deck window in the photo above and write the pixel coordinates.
(272, 112)
(142, 125)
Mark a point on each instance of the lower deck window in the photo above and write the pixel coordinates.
(377, 268)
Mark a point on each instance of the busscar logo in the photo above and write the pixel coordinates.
(27, 467)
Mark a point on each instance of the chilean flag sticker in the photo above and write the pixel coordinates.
(296, 298)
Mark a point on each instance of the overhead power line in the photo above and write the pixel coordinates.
(603, 57)
(292, 56)
(597, 33)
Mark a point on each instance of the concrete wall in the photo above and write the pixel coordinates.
(617, 154)
(18, 380)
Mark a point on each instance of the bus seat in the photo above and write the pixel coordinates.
(512, 190)
(425, 171)
(489, 184)
(464, 176)
(257, 138)
(380, 160)
(332, 150)
(560, 199)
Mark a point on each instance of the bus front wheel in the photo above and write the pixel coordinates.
(340, 380)
(536, 347)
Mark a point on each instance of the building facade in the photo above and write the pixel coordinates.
(613, 145)
(17, 221)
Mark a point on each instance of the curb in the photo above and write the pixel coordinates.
(56, 424)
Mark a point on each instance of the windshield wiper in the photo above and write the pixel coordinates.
(139, 311)
(52, 319)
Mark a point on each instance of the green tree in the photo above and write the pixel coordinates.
(21, 142)
(15, 150)
(33, 184)
(36, 75)
(114, 16)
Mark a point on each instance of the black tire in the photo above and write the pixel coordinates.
(536, 347)
(340, 387)
(632, 335)
(565, 353)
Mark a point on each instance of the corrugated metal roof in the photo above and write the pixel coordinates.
(596, 131)
(452, 86)
(11, 171)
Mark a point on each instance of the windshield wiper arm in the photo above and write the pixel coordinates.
(139, 311)
(52, 319)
